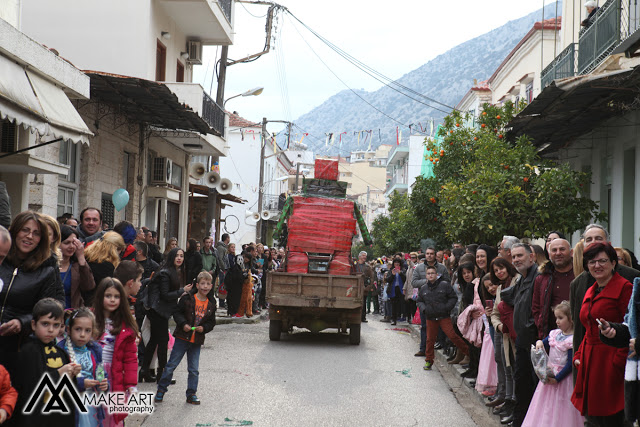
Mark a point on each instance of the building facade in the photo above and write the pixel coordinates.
(148, 118)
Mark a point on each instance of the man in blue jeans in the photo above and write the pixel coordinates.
(195, 317)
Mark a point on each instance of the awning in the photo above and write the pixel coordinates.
(145, 101)
(33, 102)
(571, 107)
(203, 190)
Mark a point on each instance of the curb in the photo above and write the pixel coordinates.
(224, 320)
(456, 371)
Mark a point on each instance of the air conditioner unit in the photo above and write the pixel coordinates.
(161, 171)
(194, 47)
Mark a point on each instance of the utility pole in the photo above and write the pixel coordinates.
(261, 179)
(368, 205)
(222, 75)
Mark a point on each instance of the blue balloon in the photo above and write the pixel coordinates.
(120, 199)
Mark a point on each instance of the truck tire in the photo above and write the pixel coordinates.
(275, 329)
(354, 334)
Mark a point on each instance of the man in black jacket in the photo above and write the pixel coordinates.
(525, 326)
(153, 249)
(435, 300)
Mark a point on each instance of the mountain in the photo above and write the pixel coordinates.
(445, 78)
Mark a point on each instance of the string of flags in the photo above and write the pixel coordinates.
(365, 137)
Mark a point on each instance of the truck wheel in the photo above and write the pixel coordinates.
(354, 334)
(275, 329)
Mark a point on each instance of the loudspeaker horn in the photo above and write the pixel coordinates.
(212, 179)
(224, 187)
(197, 170)
(254, 216)
(265, 215)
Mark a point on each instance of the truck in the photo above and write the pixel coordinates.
(317, 287)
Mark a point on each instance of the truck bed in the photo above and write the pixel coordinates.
(315, 290)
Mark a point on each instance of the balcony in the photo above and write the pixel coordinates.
(601, 37)
(397, 183)
(212, 113)
(614, 23)
(397, 154)
(194, 96)
(563, 66)
(272, 202)
(204, 20)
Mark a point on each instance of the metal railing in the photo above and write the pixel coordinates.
(609, 27)
(272, 202)
(563, 66)
(225, 5)
(212, 114)
(400, 177)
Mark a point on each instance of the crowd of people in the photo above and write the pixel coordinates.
(497, 309)
(94, 303)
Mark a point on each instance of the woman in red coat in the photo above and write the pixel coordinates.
(599, 389)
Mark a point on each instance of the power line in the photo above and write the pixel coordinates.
(372, 72)
(346, 85)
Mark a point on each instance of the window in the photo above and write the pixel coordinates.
(66, 198)
(529, 92)
(176, 175)
(8, 137)
(180, 72)
(161, 62)
(68, 156)
(108, 210)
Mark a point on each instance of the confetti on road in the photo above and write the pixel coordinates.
(236, 422)
(405, 372)
(405, 330)
(238, 372)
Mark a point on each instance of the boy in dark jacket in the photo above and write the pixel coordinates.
(195, 317)
(435, 300)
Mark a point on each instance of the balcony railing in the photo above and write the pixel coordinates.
(607, 30)
(563, 66)
(273, 202)
(398, 178)
(213, 114)
(225, 5)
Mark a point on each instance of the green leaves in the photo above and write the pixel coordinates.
(485, 187)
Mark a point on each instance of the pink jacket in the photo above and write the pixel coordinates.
(470, 324)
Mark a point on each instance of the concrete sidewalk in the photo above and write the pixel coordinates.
(455, 372)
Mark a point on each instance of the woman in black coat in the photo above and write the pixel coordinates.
(396, 278)
(192, 262)
(27, 278)
(166, 287)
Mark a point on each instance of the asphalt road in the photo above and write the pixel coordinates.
(310, 380)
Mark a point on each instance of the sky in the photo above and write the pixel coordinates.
(392, 37)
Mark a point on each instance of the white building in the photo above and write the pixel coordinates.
(587, 113)
(35, 108)
(518, 76)
(147, 116)
(242, 167)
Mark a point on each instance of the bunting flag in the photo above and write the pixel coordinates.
(397, 136)
(302, 139)
(242, 134)
(251, 131)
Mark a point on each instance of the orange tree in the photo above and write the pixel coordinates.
(397, 231)
(485, 186)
